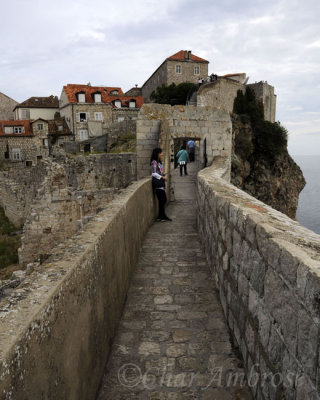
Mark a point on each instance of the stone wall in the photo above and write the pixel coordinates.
(158, 78)
(161, 124)
(124, 114)
(18, 188)
(187, 71)
(71, 194)
(265, 93)
(266, 268)
(31, 148)
(6, 107)
(222, 92)
(166, 74)
(57, 328)
(119, 130)
(219, 94)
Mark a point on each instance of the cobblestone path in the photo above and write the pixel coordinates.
(172, 341)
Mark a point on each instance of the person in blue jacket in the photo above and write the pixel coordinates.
(183, 159)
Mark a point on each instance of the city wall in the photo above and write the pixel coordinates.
(162, 124)
(57, 328)
(72, 193)
(266, 268)
(222, 92)
(18, 188)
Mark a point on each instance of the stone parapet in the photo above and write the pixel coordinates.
(266, 268)
(57, 327)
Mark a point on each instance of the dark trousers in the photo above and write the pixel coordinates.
(162, 199)
(184, 166)
(191, 154)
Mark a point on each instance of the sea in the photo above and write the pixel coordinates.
(308, 213)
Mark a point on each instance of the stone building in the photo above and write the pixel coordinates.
(51, 133)
(37, 107)
(19, 144)
(180, 67)
(265, 93)
(6, 107)
(90, 110)
(222, 92)
(27, 142)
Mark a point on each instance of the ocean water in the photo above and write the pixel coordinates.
(308, 213)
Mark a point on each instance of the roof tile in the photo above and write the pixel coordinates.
(71, 91)
(180, 56)
(25, 123)
(40, 102)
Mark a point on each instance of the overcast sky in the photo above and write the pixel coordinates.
(47, 44)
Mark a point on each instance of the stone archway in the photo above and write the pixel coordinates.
(159, 125)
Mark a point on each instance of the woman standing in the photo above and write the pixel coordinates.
(159, 182)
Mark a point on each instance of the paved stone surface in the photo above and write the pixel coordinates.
(172, 341)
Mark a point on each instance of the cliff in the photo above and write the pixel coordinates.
(277, 181)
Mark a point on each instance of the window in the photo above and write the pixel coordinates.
(83, 133)
(60, 127)
(178, 69)
(40, 127)
(82, 117)
(132, 104)
(114, 92)
(97, 97)
(81, 98)
(197, 70)
(98, 116)
(25, 114)
(8, 129)
(45, 142)
(117, 103)
(18, 129)
(120, 119)
(16, 154)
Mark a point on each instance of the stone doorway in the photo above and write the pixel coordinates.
(160, 125)
(192, 166)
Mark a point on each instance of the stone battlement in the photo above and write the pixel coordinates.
(57, 327)
(266, 267)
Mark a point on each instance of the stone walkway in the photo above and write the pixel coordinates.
(173, 342)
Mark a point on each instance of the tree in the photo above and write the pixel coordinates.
(270, 138)
(172, 94)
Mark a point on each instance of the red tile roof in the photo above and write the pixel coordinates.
(71, 91)
(25, 123)
(180, 56)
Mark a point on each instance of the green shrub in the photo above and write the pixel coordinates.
(172, 94)
(269, 138)
(5, 225)
(8, 251)
(243, 145)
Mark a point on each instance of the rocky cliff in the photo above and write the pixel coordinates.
(277, 181)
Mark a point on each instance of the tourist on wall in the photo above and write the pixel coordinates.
(191, 148)
(159, 183)
(183, 159)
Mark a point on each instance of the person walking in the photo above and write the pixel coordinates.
(183, 158)
(159, 183)
(191, 147)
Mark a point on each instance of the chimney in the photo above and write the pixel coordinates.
(189, 54)
(185, 54)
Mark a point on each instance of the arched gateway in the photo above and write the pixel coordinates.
(161, 125)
